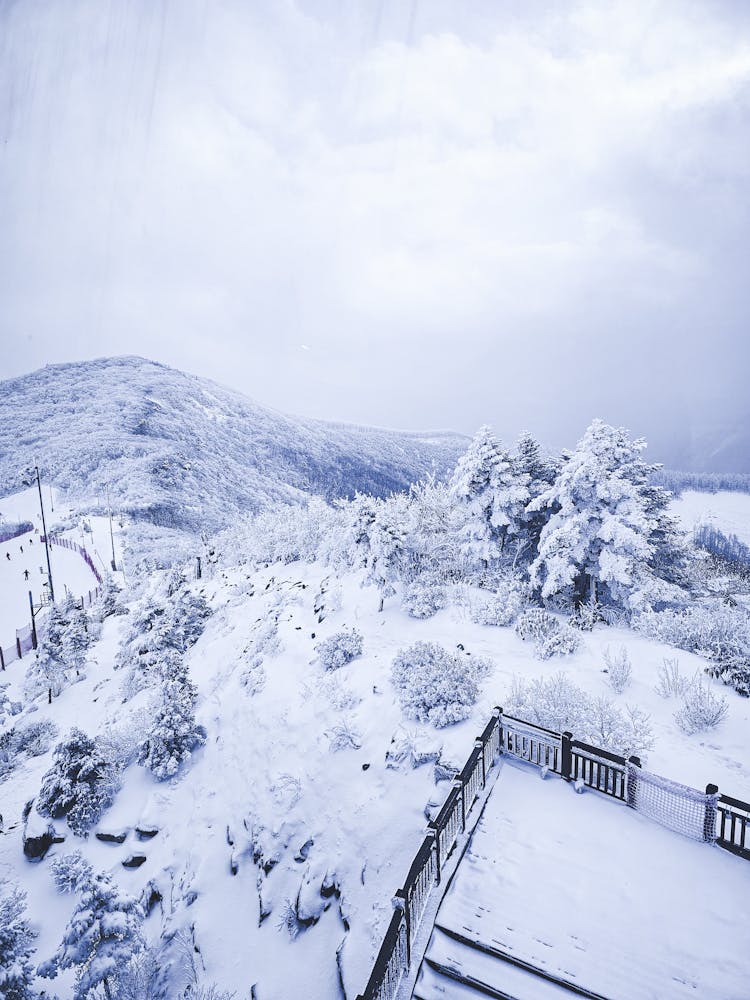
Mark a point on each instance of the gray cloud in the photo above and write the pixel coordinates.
(521, 214)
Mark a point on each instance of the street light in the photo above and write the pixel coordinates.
(44, 528)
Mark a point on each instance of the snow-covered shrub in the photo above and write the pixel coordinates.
(120, 742)
(16, 948)
(434, 685)
(340, 648)
(550, 638)
(334, 692)
(619, 668)
(253, 677)
(500, 608)
(670, 682)
(343, 736)
(80, 785)
(103, 934)
(110, 601)
(716, 631)
(586, 616)
(35, 738)
(563, 642)
(424, 597)
(144, 977)
(536, 625)
(557, 703)
(700, 709)
(70, 872)
(175, 733)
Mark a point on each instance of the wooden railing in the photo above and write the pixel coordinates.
(727, 823)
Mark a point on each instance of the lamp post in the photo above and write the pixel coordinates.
(111, 532)
(46, 542)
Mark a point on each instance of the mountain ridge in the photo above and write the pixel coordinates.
(182, 451)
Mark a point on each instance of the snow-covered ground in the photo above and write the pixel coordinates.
(69, 570)
(268, 783)
(591, 893)
(727, 511)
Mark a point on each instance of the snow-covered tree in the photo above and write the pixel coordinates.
(80, 784)
(600, 540)
(76, 639)
(46, 674)
(485, 487)
(175, 733)
(387, 541)
(436, 686)
(16, 948)
(432, 543)
(102, 936)
(110, 601)
(535, 473)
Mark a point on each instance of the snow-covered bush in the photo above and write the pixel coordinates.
(670, 682)
(424, 597)
(340, 648)
(557, 703)
(700, 709)
(80, 785)
(563, 642)
(253, 677)
(103, 934)
(536, 625)
(434, 685)
(500, 608)
(121, 741)
(619, 668)
(144, 977)
(586, 616)
(70, 872)
(16, 948)
(550, 638)
(343, 736)
(110, 600)
(716, 631)
(175, 733)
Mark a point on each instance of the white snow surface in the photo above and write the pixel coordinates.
(267, 777)
(725, 510)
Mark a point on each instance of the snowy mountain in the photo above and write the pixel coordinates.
(180, 451)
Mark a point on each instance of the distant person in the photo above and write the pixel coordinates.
(25, 574)
(7, 556)
(21, 548)
(31, 541)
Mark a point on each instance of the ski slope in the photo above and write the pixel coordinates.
(69, 571)
(591, 893)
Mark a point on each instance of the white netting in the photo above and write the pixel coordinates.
(678, 807)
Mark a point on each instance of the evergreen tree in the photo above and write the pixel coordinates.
(601, 541)
(16, 947)
(175, 733)
(492, 499)
(46, 673)
(101, 938)
(534, 471)
(79, 785)
(386, 547)
(111, 598)
(76, 639)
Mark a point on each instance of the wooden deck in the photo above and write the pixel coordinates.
(562, 894)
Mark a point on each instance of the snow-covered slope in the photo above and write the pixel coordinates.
(183, 452)
(727, 511)
(267, 815)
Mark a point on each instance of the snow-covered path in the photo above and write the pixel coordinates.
(593, 894)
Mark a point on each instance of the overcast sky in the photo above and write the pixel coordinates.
(412, 213)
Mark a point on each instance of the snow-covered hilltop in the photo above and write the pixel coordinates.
(182, 452)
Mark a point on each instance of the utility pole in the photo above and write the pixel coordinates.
(46, 541)
(111, 532)
(33, 622)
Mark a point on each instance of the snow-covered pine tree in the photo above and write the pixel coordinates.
(175, 733)
(80, 784)
(537, 473)
(361, 512)
(387, 545)
(16, 948)
(102, 936)
(599, 541)
(110, 601)
(76, 639)
(46, 674)
(485, 487)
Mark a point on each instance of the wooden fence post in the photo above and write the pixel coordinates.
(2, 658)
(432, 832)
(635, 762)
(566, 759)
(480, 746)
(709, 821)
(400, 902)
(458, 783)
(18, 647)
